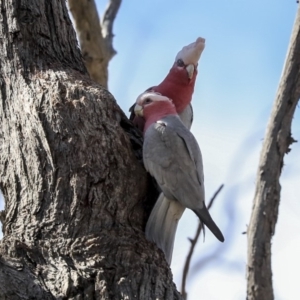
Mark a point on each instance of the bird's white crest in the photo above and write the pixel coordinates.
(191, 53)
(153, 96)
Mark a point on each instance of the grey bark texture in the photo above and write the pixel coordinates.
(267, 195)
(70, 171)
(95, 38)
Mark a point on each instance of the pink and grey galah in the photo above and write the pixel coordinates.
(179, 83)
(179, 86)
(172, 156)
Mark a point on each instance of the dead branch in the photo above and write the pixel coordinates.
(193, 245)
(95, 42)
(267, 195)
(107, 25)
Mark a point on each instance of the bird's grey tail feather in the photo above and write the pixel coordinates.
(205, 217)
(162, 224)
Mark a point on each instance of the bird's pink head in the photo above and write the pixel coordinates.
(153, 107)
(180, 82)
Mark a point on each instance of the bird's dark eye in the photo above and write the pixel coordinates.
(180, 62)
(148, 100)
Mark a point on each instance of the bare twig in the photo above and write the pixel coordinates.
(95, 42)
(193, 245)
(267, 195)
(107, 25)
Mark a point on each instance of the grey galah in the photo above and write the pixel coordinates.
(172, 156)
(179, 83)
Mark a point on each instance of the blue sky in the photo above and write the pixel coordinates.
(239, 71)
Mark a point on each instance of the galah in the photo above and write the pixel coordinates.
(172, 156)
(179, 83)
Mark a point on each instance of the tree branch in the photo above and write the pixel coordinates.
(107, 25)
(267, 195)
(193, 245)
(97, 49)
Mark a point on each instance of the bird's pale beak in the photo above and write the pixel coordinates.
(138, 110)
(190, 70)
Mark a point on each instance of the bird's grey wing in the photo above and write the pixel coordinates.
(195, 155)
(173, 158)
(193, 151)
(186, 116)
(169, 159)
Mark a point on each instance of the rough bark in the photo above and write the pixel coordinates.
(95, 38)
(70, 172)
(267, 195)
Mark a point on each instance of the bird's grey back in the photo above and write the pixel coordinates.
(172, 155)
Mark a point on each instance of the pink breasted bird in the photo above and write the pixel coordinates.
(179, 83)
(172, 156)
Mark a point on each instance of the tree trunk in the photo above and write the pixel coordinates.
(267, 195)
(74, 187)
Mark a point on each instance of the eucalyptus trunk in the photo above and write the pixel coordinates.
(76, 194)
